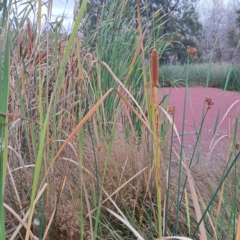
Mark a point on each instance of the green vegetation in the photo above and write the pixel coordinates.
(167, 20)
(87, 151)
(198, 73)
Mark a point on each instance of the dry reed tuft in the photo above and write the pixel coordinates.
(125, 161)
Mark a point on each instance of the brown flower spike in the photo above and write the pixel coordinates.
(155, 68)
(171, 110)
(209, 102)
(238, 146)
(192, 51)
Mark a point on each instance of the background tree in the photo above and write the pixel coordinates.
(238, 18)
(220, 32)
(175, 21)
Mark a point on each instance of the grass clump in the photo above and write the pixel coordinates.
(198, 73)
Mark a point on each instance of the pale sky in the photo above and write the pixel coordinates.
(68, 5)
(58, 8)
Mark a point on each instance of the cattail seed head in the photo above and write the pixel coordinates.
(155, 67)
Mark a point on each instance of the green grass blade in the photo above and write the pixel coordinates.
(4, 90)
(181, 157)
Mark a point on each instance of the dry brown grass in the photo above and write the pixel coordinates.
(126, 160)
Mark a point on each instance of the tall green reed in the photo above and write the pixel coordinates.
(5, 27)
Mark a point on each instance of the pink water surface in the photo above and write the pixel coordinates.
(194, 109)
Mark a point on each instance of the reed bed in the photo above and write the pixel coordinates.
(86, 148)
(198, 74)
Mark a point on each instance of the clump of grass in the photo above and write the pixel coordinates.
(198, 75)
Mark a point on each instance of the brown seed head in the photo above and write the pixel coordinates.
(238, 146)
(78, 79)
(209, 103)
(10, 117)
(146, 113)
(50, 141)
(192, 51)
(155, 67)
(73, 63)
(40, 57)
(171, 110)
(29, 30)
(89, 57)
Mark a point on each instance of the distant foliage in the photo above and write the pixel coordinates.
(176, 22)
(220, 33)
(198, 74)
